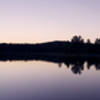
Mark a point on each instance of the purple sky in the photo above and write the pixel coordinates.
(47, 20)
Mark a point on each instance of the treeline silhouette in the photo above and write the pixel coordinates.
(74, 48)
(75, 53)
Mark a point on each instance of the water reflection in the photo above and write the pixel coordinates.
(46, 81)
(76, 64)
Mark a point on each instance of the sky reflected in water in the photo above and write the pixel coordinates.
(36, 80)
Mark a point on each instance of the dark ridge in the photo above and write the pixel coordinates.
(59, 48)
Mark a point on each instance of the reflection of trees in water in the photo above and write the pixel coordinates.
(78, 65)
(77, 68)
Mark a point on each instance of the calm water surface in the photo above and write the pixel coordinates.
(36, 80)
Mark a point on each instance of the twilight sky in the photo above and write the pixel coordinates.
(46, 20)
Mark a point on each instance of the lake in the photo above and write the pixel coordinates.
(40, 80)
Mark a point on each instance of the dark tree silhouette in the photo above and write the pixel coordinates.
(77, 39)
(97, 41)
(88, 41)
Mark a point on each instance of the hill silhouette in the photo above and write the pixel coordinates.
(63, 48)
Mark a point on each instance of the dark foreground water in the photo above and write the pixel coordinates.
(37, 80)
